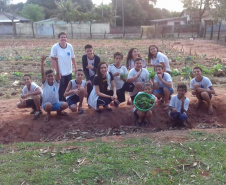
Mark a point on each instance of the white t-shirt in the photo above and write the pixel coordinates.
(33, 87)
(50, 92)
(144, 77)
(176, 103)
(161, 58)
(205, 83)
(122, 70)
(64, 57)
(91, 72)
(165, 77)
(74, 86)
(153, 96)
(131, 64)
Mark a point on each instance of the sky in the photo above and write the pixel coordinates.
(172, 5)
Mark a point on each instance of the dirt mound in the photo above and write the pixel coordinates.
(16, 125)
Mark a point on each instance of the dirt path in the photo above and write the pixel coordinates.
(16, 125)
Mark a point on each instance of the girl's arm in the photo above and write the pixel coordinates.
(67, 91)
(113, 87)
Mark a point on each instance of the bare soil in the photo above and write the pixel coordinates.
(16, 125)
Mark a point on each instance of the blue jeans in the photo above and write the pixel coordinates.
(160, 90)
(178, 116)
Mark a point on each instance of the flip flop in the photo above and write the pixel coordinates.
(80, 110)
(47, 118)
(98, 110)
(62, 113)
(37, 114)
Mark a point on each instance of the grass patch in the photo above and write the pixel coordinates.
(132, 161)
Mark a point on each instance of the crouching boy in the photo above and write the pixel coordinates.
(50, 91)
(179, 106)
(76, 91)
(31, 96)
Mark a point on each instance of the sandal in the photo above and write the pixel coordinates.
(47, 118)
(98, 110)
(33, 111)
(80, 110)
(107, 108)
(37, 114)
(62, 113)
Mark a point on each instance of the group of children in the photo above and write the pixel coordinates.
(106, 85)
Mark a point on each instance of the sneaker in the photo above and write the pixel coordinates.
(37, 114)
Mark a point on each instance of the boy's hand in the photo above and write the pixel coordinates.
(160, 77)
(89, 66)
(43, 58)
(183, 98)
(139, 73)
(89, 81)
(24, 96)
(76, 91)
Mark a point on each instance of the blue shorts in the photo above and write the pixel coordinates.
(178, 116)
(73, 100)
(55, 106)
(161, 91)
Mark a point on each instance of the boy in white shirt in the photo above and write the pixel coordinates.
(31, 96)
(163, 85)
(202, 88)
(76, 91)
(138, 76)
(50, 101)
(179, 106)
(120, 76)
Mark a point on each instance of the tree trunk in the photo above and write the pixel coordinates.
(33, 31)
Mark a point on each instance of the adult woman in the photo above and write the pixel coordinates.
(104, 91)
(133, 54)
(155, 57)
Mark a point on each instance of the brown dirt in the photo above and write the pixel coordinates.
(16, 125)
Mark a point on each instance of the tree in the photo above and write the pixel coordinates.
(107, 13)
(33, 12)
(84, 5)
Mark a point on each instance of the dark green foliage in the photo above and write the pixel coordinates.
(143, 101)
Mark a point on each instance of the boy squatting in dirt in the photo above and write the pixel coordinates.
(202, 88)
(50, 91)
(31, 96)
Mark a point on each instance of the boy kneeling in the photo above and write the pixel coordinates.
(202, 88)
(179, 105)
(50, 91)
(33, 92)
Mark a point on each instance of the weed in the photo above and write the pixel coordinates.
(3, 79)
(3, 58)
(18, 73)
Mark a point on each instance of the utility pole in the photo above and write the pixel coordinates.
(123, 21)
(102, 11)
(115, 12)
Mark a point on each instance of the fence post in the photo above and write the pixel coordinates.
(178, 32)
(211, 34)
(142, 31)
(219, 31)
(33, 31)
(90, 30)
(72, 31)
(53, 31)
(104, 34)
(205, 29)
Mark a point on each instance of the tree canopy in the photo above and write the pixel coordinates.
(33, 12)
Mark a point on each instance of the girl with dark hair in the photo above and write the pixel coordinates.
(133, 54)
(104, 91)
(156, 57)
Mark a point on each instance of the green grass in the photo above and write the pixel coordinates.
(200, 160)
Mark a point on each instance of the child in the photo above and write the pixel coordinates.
(50, 91)
(133, 54)
(144, 117)
(90, 63)
(179, 105)
(120, 76)
(138, 76)
(202, 88)
(163, 85)
(75, 92)
(31, 96)
(156, 57)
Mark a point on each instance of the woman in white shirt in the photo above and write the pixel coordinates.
(133, 54)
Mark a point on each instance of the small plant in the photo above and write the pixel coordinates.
(18, 73)
(186, 72)
(151, 73)
(205, 70)
(3, 58)
(175, 72)
(18, 57)
(3, 79)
